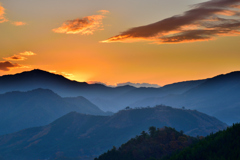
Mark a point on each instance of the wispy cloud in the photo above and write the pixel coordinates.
(6, 65)
(4, 19)
(15, 58)
(20, 56)
(27, 53)
(67, 75)
(204, 22)
(85, 25)
(103, 11)
(2, 16)
(19, 23)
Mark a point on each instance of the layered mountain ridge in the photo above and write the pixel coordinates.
(217, 96)
(79, 136)
(20, 110)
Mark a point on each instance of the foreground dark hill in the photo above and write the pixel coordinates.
(19, 110)
(84, 136)
(149, 145)
(218, 96)
(223, 145)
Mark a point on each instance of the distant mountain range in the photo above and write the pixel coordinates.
(107, 98)
(20, 110)
(138, 85)
(218, 96)
(64, 87)
(82, 136)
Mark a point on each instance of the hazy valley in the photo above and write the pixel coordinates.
(46, 116)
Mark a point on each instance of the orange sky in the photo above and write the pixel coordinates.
(64, 37)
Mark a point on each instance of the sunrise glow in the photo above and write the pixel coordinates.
(164, 44)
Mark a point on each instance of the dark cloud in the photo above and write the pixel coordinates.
(204, 22)
(20, 56)
(15, 58)
(6, 65)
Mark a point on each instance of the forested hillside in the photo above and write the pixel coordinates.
(223, 145)
(80, 136)
(155, 144)
(161, 143)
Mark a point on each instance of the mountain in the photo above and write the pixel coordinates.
(141, 93)
(138, 85)
(155, 143)
(19, 110)
(218, 96)
(82, 136)
(107, 98)
(219, 146)
(84, 105)
(161, 144)
(64, 87)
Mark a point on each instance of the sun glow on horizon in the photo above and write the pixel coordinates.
(198, 42)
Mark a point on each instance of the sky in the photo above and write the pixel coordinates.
(113, 42)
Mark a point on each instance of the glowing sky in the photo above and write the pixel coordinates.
(155, 41)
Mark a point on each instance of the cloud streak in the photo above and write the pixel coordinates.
(20, 56)
(203, 22)
(19, 23)
(15, 58)
(84, 26)
(6, 65)
(103, 11)
(27, 53)
(2, 17)
(67, 75)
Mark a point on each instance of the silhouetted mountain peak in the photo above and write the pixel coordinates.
(231, 75)
(41, 74)
(38, 71)
(37, 78)
(43, 92)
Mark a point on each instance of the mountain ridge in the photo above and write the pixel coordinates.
(80, 135)
(19, 110)
(205, 95)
